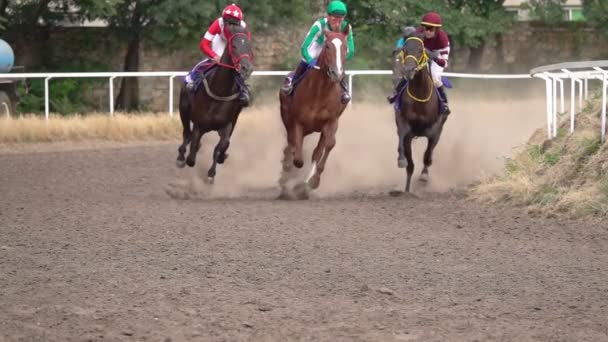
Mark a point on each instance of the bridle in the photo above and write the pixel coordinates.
(421, 62)
(236, 60)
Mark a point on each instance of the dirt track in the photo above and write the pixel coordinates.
(93, 248)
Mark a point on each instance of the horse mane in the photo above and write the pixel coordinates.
(236, 28)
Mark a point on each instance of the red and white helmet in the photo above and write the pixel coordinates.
(432, 19)
(232, 11)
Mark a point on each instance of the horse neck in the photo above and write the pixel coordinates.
(420, 84)
(223, 80)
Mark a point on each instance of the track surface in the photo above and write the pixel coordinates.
(93, 248)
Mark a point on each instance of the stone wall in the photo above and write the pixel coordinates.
(528, 45)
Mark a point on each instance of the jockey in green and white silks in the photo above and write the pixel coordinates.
(313, 44)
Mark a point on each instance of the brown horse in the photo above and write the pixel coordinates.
(419, 114)
(215, 105)
(314, 106)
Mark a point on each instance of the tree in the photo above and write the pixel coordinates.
(469, 22)
(596, 13)
(169, 23)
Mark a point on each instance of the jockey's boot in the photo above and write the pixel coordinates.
(444, 99)
(345, 97)
(287, 86)
(190, 80)
(391, 98)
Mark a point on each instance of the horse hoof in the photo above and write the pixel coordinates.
(401, 163)
(314, 182)
(190, 162)
(424, 177)
(302, 191)
(210, 180)
(180, 163)
(396, 193)
(298, 163)
(221, 159)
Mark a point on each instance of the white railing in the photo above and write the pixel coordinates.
(172, 74)
(555, 74)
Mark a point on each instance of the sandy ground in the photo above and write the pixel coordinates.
(104, 241)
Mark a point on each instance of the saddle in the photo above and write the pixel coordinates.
(201, 71)
(296, 79)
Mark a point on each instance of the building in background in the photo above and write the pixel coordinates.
(573, 10)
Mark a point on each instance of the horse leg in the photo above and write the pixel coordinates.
(428, 157)
(326, 143)
(219, 152)
(401, 162)
(195, 145)
(184, 114)
(407, 143)
(297, 142)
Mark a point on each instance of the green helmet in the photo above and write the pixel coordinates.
(336, 7)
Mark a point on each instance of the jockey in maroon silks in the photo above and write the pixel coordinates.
(437, 44)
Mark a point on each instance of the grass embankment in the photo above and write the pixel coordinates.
(566, 175)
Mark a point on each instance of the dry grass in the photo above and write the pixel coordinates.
(568, 174)
(121, 127)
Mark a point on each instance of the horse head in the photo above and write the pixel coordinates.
(240, 50)
(333, 56)
(414, 56)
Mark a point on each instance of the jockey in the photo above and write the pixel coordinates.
(213, 44)
(438, 48)
(313, 43)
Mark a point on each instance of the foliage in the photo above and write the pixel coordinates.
(548, 11)
(67, 96)
(596, 13)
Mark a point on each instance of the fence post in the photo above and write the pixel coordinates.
(350, 87)
(171, 95)
(46, 98)
(604, 85)
(112, 95)
(549, 101)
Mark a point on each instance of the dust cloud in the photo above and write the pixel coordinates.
(484, 128)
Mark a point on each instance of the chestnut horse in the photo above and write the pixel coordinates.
(418, 115)
(314, 106)
(214, 106)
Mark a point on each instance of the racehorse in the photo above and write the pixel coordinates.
(314, 106)
(214, 106)
(418, 114)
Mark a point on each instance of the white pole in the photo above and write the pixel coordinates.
(112, 95)
(586, 86)
(580, 95)
(549, 100)
(604, 85)
(171, 95)
(46, 98)
(350, 87)
(561, 95)
(572, 100)
(554, 106)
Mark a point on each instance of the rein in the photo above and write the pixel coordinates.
(421, 62)
(236, 64)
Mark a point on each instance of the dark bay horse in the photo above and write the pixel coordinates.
(314, 106)
(214, 106)
(419, 114)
